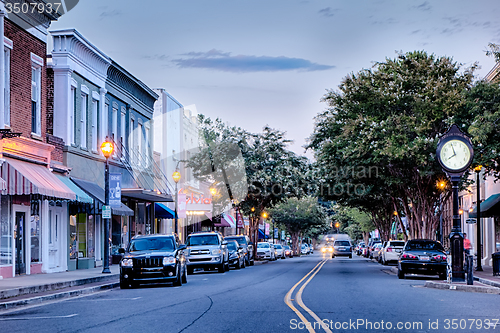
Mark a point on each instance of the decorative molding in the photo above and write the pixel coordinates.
(36, 59)
(28, 149)
(115, 105)
(123, 109)
(70, 47)
(85, 89)
(95, 95)
(8, 43)
(74, 84)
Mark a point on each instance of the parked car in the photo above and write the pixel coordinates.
(247, 245)
(280, 251)
(422, 256)
(265, 251)
(391, 251)
(342, 248)
(371, 244)
(153, 258)
(304, 249)
(236, 254)
(288, 251)
(376, 252)
(359, 248)
(207, 250)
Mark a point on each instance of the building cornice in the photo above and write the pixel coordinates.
(493, 73)
(71, 49)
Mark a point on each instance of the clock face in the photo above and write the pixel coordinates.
(455, 155)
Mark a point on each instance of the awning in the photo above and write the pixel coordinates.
(262, 235)
(223, 222)
(146, 195)
(29, 178)
(163, 212)
(81, 196)
(3, 184)
(489, 207)
(230, 219)
(97, 193)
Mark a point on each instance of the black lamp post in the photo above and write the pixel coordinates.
(479, 266)
(176, 176)
(107, 150)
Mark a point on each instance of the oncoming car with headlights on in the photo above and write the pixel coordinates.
(153, 259)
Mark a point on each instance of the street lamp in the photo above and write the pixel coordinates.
(441, 186)
(107, 148)
(176, 176)
(479, 266)
(337, 225)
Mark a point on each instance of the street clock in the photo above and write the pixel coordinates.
(455, 152)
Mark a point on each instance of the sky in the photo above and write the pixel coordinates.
(269, 62)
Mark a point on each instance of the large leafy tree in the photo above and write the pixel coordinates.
(390, 118)
(301, 217)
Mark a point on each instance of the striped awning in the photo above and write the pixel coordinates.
(3, 184)
(29, 178)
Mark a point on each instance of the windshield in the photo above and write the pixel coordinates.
(231, 246)
(157, 243)
(396, 243)
(202, 240)
(342, 243)
(423, 245)
(278, 246)
(240, 240)
(263, 245)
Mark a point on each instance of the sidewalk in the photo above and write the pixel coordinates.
(29, 289)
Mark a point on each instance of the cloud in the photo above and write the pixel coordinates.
(328, 11)
(425, 6)
(110, 13)
(225, 62)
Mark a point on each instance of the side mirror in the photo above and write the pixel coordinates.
(240, 247)
(121, 250)
(182, 247)
(224, 242)
(250, 243)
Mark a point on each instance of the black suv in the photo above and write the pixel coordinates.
(153, 258)
(247, 245)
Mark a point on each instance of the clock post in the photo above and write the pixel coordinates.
(455, 154)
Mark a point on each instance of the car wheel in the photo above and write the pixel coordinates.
(401, 274)
(221, 268)
(333, 256)
(178, 280)
(190, 270)
(252, 262)
(350, 256)
(238, 265)
(184, 276)
(227, 266)
(244, 264)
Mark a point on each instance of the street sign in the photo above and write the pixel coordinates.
(266, 229)
(282, 234)
(276, 233)
(115, 190)
(106, 212)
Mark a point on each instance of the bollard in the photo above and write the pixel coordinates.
(470, 263)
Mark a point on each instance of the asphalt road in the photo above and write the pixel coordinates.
(350, 295)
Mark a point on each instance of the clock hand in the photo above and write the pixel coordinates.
(453, 149)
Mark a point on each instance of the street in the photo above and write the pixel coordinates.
(347, 294)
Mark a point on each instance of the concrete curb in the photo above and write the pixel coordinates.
(14, 292)
(488, 282)
(61, 295)
(462, 287)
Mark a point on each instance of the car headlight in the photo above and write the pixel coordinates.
(168, 261)
(127, 263)
(233, 255)
(216, 251)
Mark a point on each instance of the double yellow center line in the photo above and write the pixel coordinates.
(298, 299)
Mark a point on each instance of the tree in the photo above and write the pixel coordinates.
(300, 217)
(390, 118)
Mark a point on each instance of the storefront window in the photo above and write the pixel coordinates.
(90, 236)
(73, 252)
(82, 235)
(35, 237)
(5, 233)
(124, 242)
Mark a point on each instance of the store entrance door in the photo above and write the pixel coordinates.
(20, 239)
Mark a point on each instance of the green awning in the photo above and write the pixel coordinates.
(81, 196)
(489, 207)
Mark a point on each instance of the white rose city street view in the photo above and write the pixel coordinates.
(249, 166)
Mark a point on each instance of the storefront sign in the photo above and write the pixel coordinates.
(115, 189)
(198, 202)
(181, 206)
(266, 229)
(239, 219)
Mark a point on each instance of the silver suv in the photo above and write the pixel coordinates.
(207, 250)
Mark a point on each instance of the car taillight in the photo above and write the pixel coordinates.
(408, 256)
(439, 257)
(389, 249)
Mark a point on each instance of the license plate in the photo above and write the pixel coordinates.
(424, 258)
